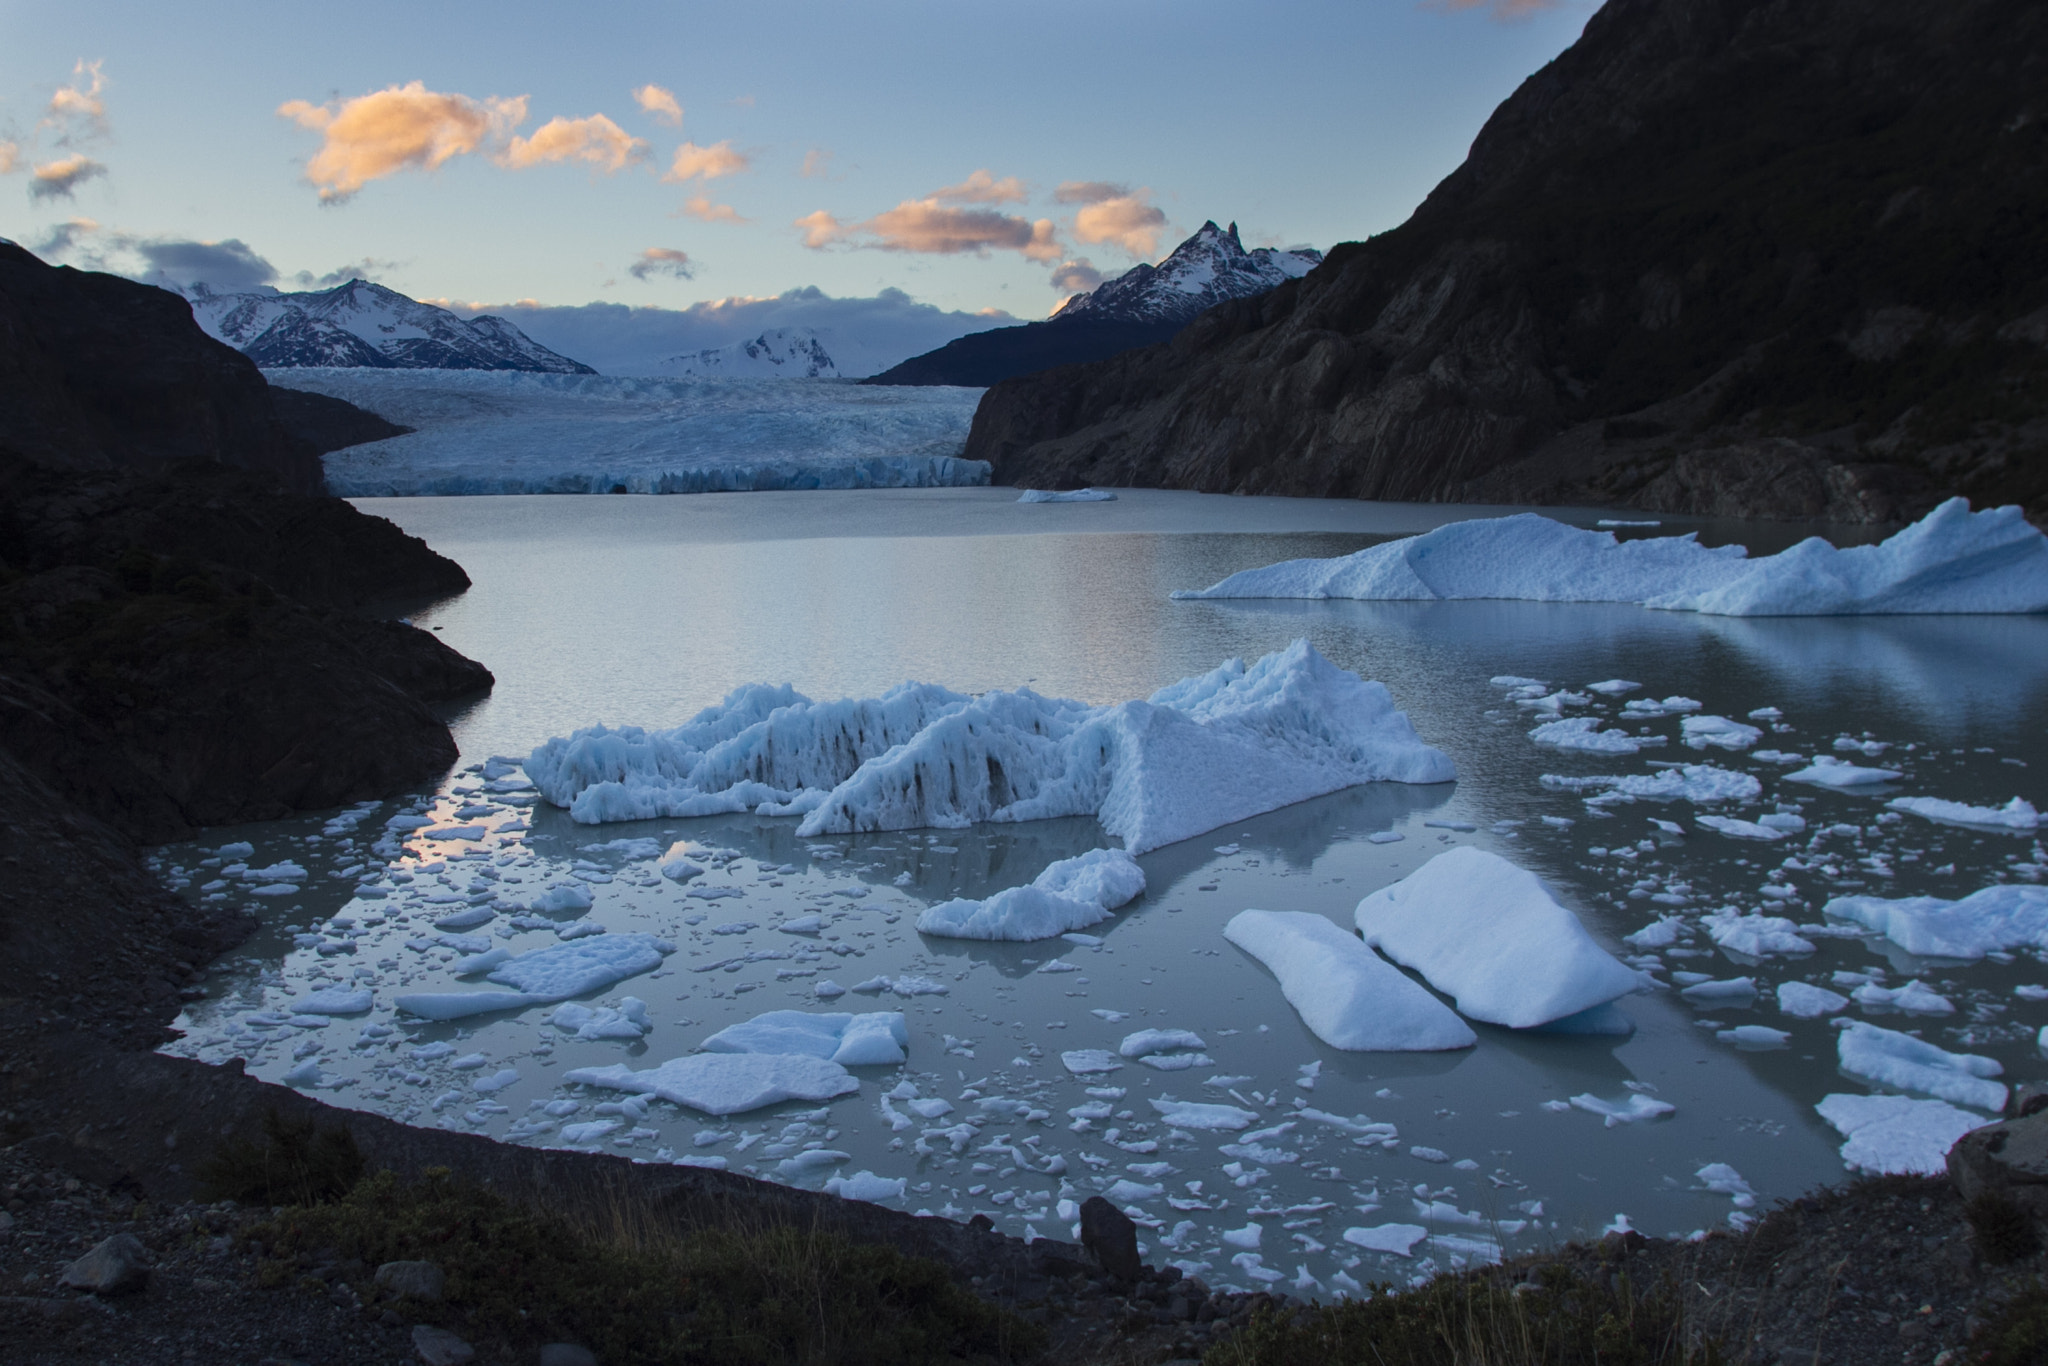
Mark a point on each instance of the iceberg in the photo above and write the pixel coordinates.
(1197, 754)
(1068, 496)
(1069, 895)
(1807, 1001)
(1489, 934)
(873, 1037)
(1698, 783)
(1838, 773)
(544, 976)
(726, 1083)
(1896, 1135)
(1951, 560)
(1992, 920)
(1904, 1063)
(2016, 815)
(1347, 995)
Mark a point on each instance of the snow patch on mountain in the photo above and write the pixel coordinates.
(778, 353)
(1203, 271)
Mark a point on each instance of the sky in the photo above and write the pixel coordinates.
(700, 168)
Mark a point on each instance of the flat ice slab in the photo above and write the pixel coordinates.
(726, 1083)
(1904, 1063)
(1995, 919)
(1346, 994)
(872, 1037)
(1200, 753)
(2017, 815)
(515, 432)
(1067, 496)
(1069, 895)
(1951, 560)
(1491, 935)
(1897, 1135)
(544, 976)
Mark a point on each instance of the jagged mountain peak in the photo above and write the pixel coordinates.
(1208, 268)
(778, 353)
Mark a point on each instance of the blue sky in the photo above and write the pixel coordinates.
(820, 137)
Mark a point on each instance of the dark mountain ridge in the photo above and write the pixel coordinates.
(1737, 257)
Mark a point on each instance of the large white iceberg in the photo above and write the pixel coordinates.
(1197, 754)
(1951, 560)
(1905, 1063)
(1490, 935)
(726, 1083)
(866, 1039)
(1346, 994)
(1896, 1135)
(1993, 919)
(1071, 894)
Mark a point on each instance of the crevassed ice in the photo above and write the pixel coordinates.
(1197, 754)
(1951, 560)
(1995, 918)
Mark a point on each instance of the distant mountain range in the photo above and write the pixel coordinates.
(363, 325)
(1144, 305)
(778, 353)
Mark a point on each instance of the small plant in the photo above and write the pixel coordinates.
(2005, 1232)
(298, 1164)
(2018, 1336)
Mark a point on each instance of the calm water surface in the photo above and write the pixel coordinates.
(645, 610)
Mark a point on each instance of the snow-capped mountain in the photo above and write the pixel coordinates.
(1203, 271)
(362, 325)
(778, 353)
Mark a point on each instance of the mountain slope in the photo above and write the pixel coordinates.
(360, 324)
(778, 353)
(1720, 256)
(1146, 304)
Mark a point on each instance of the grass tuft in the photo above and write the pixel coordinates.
(2005, 1232)
(297, 1165)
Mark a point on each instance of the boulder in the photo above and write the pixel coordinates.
(117, 1266)
(439, 1347)
(417, 1280)
(1109, 1233)
(2008, 1159)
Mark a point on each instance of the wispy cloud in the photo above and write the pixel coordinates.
(659, 104)
(595, 139)
(1506, 11)
(57, 179)
(928, 227)
(369, 268)
(76, 110)
(402, 126)
(700, 207)
(983, 188)
(1088, 191)
(669, 261)
(1076, 276)
(1128, 221)
(707, 163)
(10, 157)
(63, 237)
(817, 165)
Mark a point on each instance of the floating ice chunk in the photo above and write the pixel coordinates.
(1613, 687)
(1084, 1062)
(1398, 1239)
(335, 1001)
(1825, 771)
(1905, 1063)
(569, 896)
(1644, 708)
(1125, 1191)
(583, 965)
(1490, 935)
(2017, 814)
(1986, 921)
(462, 920)
(478, 963)
(1071, 894)
(1951, 560)
(591, 1130)
(1697, 783)
(458, 1005)
(1636, 1107)
(1809, 1002)
(242, 849)
(497, 1081)
(1759, 936)
(1914, 998)
(1148, 1041)
(306, 1073)
(1658, 934)
(1896, 1135)
(865, 1185)
(1189, 1114)
(1583, 734)
(1067, 496)
(803, 924)
(628, 1020)
(828, 990)
(1740, 829)
(1754, 1036)
(1503, 680)
(1347, 995)
(1724, 992)
(726, 1083)
(1718, 732)
(1386, 837)
(867, 1039)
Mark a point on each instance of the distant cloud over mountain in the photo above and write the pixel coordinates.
(936, 225)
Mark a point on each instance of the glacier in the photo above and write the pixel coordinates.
(1951, 560)
(508, 432)
(1197, 754)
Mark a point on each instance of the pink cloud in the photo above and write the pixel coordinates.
(707, 163)
(983, 188)
(1077, 276)
(701, 208)
(1126, 221)
(1088, 191)
(78, 107)
(670, 261)
(57, 179)
(596, 140)
(817, 164)
(928, 227)
(659, 104)
(1506, 11)
(402, 126)
(10, 157)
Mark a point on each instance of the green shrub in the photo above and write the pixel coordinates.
(2005, 1232)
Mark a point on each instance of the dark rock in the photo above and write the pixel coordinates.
(416, 1280)
(567, 1354)
(1109, 1233)
(116, 1266)
(1718, 257)
(326, 423)
(439, 1347)
(2028, 1098)
(2008, 1159)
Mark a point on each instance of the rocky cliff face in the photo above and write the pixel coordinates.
(1739, 257)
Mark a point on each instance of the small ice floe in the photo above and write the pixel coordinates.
(1385, 837)
(1896, 1135)
(1582, 734)
(1992, 920)
(1396, 1239)
(1754, 1038)
(1168, 1050)
(1635, 1107)
(569, 896)
(1904, 1063)
(627, 1020)
(1189, 1114)
(803, 924)
(1741, 829)
(1825, 771)
(1084, 1062)
(1613, 687)
(876, 1037)
(1489, 934)
(1066, 496)
(1914, 998)
(1718, 732)
(1701, 784)
(2017, 815)
(865, 1185)
(1758, 936)
(1658, 934)
(544, 976)
(828, 990)
(335, 1001)
(1071, 894)
(1728, 991)
(1808, 1002)
(726, 1083)
(464, 920)
(1347, 995)
(1649, 708)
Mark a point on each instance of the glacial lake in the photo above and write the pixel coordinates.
(643, 610)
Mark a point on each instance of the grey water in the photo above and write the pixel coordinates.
(644, 610)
